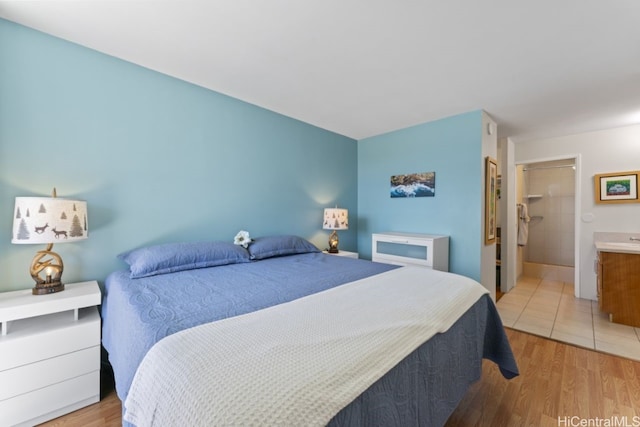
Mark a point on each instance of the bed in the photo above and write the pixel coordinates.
(211, 333)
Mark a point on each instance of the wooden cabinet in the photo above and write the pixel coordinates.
(49, 353)
(619, 286)
(426, 250)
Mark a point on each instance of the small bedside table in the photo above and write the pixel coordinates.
(49, 353)
(345, 254)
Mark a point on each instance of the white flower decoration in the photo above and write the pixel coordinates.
(242, 239)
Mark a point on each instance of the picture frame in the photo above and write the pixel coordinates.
(490, 198)
(618, 187)
(413, 185)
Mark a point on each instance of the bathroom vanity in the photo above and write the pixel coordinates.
(618, 269)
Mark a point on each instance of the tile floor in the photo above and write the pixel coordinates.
(548, 308)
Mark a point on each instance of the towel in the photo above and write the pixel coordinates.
(523, 224)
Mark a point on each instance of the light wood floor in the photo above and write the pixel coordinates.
(556, 380)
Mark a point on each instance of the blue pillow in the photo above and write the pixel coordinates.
(173, 257)
(272, 246)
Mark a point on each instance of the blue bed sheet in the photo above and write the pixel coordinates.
(137, 313)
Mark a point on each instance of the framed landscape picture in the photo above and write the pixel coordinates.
(490, 192)
(619, 187)
(413, 185)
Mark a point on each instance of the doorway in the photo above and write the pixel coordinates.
(546, 191)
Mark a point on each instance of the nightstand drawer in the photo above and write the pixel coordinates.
(38, 338)
(50, 402)
(50, 371)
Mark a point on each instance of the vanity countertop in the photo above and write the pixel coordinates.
(623, 247)
(617, 242)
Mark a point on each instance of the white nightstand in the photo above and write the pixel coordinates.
(49, 353)
(345, 254)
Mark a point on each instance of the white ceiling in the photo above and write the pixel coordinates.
(365, 67)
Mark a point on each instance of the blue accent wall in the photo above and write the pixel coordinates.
(157, 159)
(451, 147)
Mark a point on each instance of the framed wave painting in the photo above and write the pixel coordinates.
(413, 185)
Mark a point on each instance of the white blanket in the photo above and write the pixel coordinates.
(297, 363)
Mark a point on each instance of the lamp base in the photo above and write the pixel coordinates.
(49, 288)
(333, 242)
(51, 269)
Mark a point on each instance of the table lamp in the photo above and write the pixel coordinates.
(48, 220)
(335, 219)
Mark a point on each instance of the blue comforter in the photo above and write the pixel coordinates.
(137, 313)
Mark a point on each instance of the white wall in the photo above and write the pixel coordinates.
(518, 198)
(613, 150)
(488, 252)
(511, 268)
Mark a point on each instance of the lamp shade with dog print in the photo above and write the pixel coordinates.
(48, 220)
